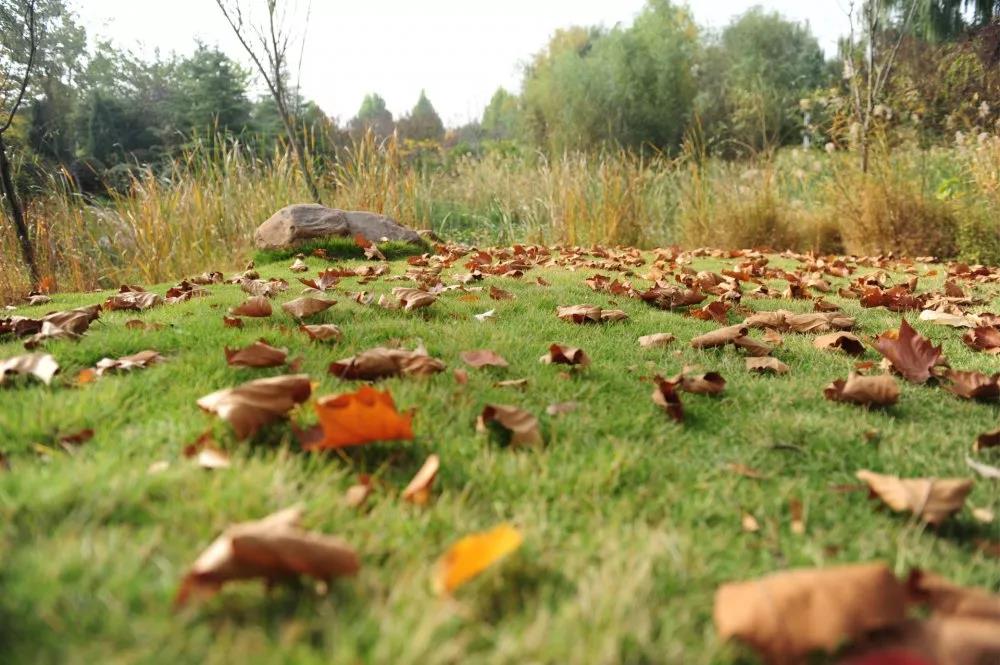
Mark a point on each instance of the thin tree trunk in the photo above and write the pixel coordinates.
(299, 155)
(17, 214)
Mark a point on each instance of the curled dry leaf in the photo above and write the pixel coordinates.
(880, 390)
(987, 440)
(483, 358)
(382, 362)
(273, 549)
(419, 490)
(767, 365)
(305, 306)
(911, 354)
(298, 265)
(665, 396)
(42, 366)
(984, 470)
(810, 322)
(140, 360)
(560, 354)
(250, 406)
(473, 554)
(519, 425)
(133, 301)
(579, 313)
(232, 321)
(256, 306)
(655, 340)
(49, 332)
(931, 499)
(500, 294)
(488, 315)
(943, 318)
(258, 354)
(412, 299)
(840, 341)
(706, 383)
(354, 419)
(787, 615)
(322, 332)
(983, 338)
(206, 453)
(974, 385)
(719, 337)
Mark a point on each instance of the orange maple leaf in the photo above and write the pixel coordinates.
(472, 555)
(354, 419)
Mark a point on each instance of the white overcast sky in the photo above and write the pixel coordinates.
(458, 50)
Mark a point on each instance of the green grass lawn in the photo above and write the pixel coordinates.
(630, 520)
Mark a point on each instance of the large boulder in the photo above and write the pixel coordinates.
(301, 222)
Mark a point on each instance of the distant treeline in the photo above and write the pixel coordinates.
(760, 83)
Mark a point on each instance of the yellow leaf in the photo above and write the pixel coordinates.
(473, 554)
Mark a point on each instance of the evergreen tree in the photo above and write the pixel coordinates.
(423, 122)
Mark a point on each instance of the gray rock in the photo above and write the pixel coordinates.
(301, 222)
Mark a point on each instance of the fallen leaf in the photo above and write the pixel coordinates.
(987, 440)
(473, 554)
(273, 549)
(322, 332)
(911, 354)
(931, 499)
(579, 313)
(49, 332)
(354, 419)
(140, 360)
(560, 354)
(413, 298)
(483, 358)
(298, 265)
(512, 383)
(461, 376)
(719, 337)
(765, 365)
(259, 354)
(40, 365)
(382, 362)
(419, 490)
(133, 300)
(880, 390)
(305, 306)
(519, 425)
(787, 615)
(665, 396)
(250, 406)
(488, 315)
(233, 321)
(983, 338)
(256, 306)
(947, 319)
(500, 294)
(749, 523)
(973, 385)
(841, 341)
(206, 453)
(655, 340)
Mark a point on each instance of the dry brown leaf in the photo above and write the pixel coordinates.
(665, 396)
(931, 499)
(49, 332)
(880, 390)
(611, 315)
(719, 337)
(787, 615)
(911, 354)
(500, 294)
(579, 313)
(364, 416)
(655, 340)
(419, 490)
(259, 354)
(206, 453)
(706, 383)
(942, 318)
(983, 338)
(842, 341)
(974, 385)
(305, 306)
(322, 332)
(273, 549)
(232, 321)
(298, 265)
(256, 306)
(765, 365)
(133, 301)
(40, 365)
(482, 358)
(382, 362)
(250, 406)
(987, 440)
(140, 360)
(473, 554)
(520, 426)
(412, 299)
(560, 354)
